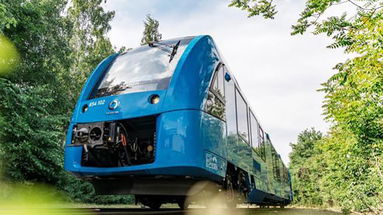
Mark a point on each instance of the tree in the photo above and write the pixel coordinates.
(353, 102)
(88, 40)
(351, 151)
(58, 45)
(304, 169)
(304, 148)
(33, 104)
(151, 33)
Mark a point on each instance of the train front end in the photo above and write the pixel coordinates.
(136, 125)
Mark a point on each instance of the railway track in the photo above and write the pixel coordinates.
(163, 211)
(203, 211)
(137, 211)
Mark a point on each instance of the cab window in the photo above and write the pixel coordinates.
(215, 104)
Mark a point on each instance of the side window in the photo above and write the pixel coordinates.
(243, 130)
(257, 137)
(215, 104)
(261, 137)
(275, 165)
(217, 85)
(285, 174)
(220, 88)
(254, 131)
(231, 118)
(261, 143)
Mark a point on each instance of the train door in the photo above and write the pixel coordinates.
(213, 126)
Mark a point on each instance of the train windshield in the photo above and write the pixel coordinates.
(146, 68)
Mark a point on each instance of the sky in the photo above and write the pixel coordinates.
(279, 74)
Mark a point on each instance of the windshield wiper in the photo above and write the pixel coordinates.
(174, 51)
(164, 47)
(112, 90)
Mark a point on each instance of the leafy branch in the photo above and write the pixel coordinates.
(266, 8)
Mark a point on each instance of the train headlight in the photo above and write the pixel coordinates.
(84, 108)
(95, 133)
(149, 148)
(154, 99)
(81, 135)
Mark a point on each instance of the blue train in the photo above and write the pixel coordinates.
(158, 119)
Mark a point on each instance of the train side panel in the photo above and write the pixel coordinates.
(263, 167)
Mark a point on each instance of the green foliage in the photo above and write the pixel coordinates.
(354, 94)
(304, 148)
(350, 178)
(8, 19)
(151, 33)
(337, 173)
(304, 170)
(347, 164)
(37, 41)
(59, 45)
(354, 103)
(82, 191)
(32, 137)
(33, 107)
(311, 14)
(266, 8)
(88, 40)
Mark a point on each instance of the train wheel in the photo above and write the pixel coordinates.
(231, 197)
(153, 205)
(183, 204)
(152, 202)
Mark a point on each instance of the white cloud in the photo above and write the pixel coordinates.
(278, 73)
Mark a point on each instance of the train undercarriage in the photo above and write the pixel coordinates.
(153, 191)
(233, 190)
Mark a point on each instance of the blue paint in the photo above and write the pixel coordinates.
(189, 141)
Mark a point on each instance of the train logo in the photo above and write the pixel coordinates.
(113, 104)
